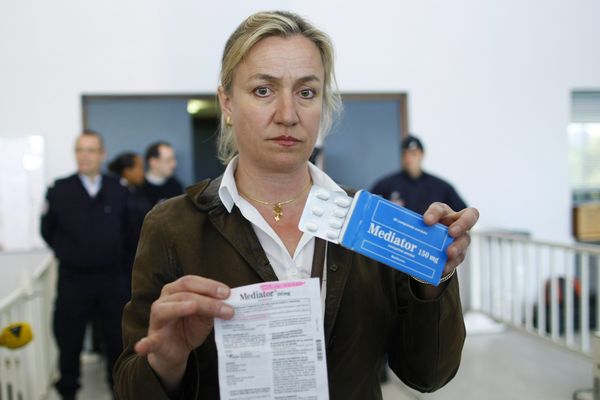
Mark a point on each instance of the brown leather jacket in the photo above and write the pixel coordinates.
(370, 308)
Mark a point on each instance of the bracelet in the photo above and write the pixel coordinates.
(444, 278)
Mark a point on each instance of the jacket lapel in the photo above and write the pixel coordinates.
(339, 262)
(239, 233)
(233, 226)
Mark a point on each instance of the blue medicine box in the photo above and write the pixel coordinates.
(379, 229)
(396, 236)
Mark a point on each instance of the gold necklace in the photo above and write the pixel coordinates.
(278, 205)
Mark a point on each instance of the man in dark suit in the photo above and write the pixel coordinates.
(160, 184)
(84, 223)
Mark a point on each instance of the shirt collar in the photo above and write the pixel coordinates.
(228, 189)
(229, 194)
(155, 180)
(92, 181)
(92, 186)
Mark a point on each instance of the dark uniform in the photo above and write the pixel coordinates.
(157, 193)
(137, 207)
(87, 236)
(417, 194)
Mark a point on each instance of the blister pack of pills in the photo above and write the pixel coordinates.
(325, 213)
(378, 229)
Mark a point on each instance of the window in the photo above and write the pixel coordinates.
(584, 146)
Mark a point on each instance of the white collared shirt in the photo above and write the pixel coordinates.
(155, 180)
(92, 186)
(285, 266)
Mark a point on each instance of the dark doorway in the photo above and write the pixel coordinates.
(206, 162)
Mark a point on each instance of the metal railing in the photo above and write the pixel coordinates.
(547, 289)
(27, 373)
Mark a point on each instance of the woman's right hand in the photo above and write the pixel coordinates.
(181, 320)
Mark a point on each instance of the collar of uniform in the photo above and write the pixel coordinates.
(89, 181)
(155, 180)
(407, 176)
(92, 186)
(230, 196)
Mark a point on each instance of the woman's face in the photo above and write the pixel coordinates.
(275, 103)
(135, 174)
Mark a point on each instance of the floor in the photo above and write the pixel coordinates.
(93, 380)
(509, 366)
(500, 366)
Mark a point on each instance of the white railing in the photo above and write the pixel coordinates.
(547, 289)
(27, 373)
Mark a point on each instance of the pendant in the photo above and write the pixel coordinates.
(278, 211)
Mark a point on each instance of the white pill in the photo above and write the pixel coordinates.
(342, 201)
(335, 223)
(322, 194)
(338, 212)
(311, 226)
(332, 234)
(318, 211)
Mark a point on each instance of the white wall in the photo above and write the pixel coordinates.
(489, 81)
(22, 190)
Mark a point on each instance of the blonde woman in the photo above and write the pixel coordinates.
(276, 95)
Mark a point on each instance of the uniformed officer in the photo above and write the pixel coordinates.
(84, 223)
(414, 188)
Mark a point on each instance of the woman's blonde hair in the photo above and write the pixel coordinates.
(282, 24)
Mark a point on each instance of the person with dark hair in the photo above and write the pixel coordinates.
(85, 223)
(129, 167)
(160, 183)
(277, 93)
(414, 188)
